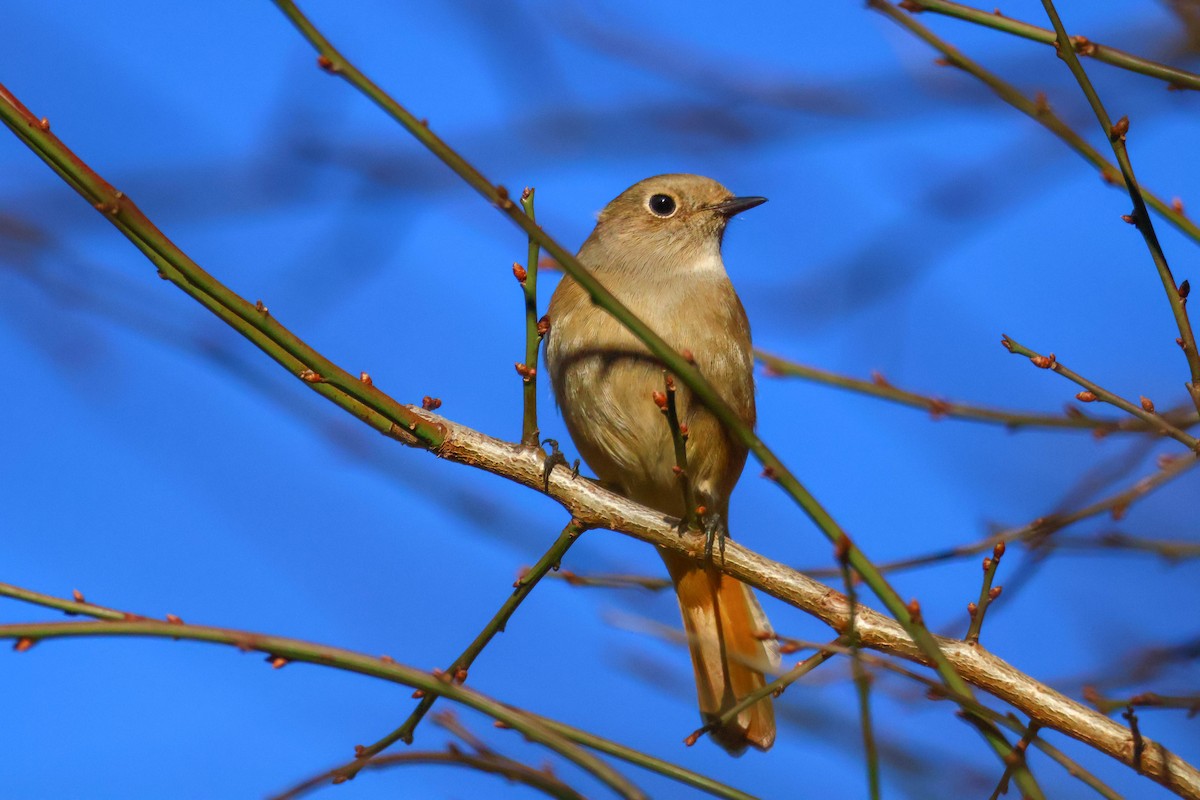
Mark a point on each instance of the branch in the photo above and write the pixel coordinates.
(936, 691)
(457, 671)
(1140, 216)
(1174, 77)
(1036, 109)
(281, 651)
(527, 277)
(497, 765)
(1105, 705)
(1092, 392)
(938, 408)
(1039, 530)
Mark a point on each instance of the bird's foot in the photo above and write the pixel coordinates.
(712, 523)
(553, 459)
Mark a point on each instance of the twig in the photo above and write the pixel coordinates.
(643, 760)
(1139, 743)
(1018, 760)
(862, 681)
(1174, 77)
(1140, 216)
(1036, 109)
(457, 671)
(515, 771)
(937, 691)
(527, 276)
(1039, 530)
(938, 408)
(1187, 702)
(666, 403)
(772, 688)
(254, 321)
(1170, 550)
(1093, 392)
(986, 594)
(612, 581)
(281, 651)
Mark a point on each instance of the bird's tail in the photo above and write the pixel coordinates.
(724, 622)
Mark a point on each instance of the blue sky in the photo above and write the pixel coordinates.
(157, 462)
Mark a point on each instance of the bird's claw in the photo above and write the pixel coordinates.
(553, 459)
(714, 528)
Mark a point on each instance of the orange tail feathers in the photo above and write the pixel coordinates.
(722, 617)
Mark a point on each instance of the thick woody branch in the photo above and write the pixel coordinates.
(597, 507)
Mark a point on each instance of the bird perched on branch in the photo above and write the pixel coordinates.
(657, 248)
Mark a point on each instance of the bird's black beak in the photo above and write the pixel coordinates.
(736, 205)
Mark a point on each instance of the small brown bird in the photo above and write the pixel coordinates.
(657, 247)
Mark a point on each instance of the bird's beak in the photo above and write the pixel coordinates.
(736, 205)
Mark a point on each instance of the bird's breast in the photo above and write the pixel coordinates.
(604, 380)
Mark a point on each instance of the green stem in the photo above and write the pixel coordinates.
(523, 586)
(977, 709)
(529, 423)
(1175, 78)
(254, 322)
(496, 765)
(1037, 110)
(774, 687)
(670, 410)
(295, 650)
(938, 408)
(1141, 217)
(643, 760)
(1100, 393)
(978, 610)
(862, 681)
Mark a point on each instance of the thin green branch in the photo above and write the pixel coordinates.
(643, 760)
(986, 594)
(862, 681)
(938, 408)
(1039, 530)
(457, 671)
(527, 276)
(1093, 392)
(613, 581)
(1170, 550)
(1174, 77)
(255, 322)
(507, 768)
(281, 651)
(1036, 109)
(938, 691)
(772, 689)
(330, 59)
(1140, 216)
(667, 404)
(1107, 705)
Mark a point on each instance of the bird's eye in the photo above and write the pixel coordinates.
(662, 205)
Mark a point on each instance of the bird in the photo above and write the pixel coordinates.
(657, 248)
